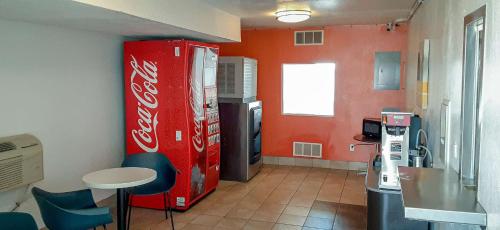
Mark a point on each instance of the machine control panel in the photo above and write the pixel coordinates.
(212, 115)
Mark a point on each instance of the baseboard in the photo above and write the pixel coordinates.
(316, 163)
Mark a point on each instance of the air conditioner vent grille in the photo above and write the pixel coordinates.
(309, 37)
(305, 149)
(7, 146)
(11, 172)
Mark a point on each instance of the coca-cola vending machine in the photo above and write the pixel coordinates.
(171, 108)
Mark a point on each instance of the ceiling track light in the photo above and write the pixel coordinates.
(292, 16)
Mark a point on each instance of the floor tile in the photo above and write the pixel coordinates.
(230, 223)
(296, 210)
(291, 220)
(322, 214)
(196, 227)
(350, 217)
(286, 227)
(280, 196)
(219, 209)
(355, 197)
(250, 202)
(329, 196)
(288, 195)
(166, 224)
(206, 220)
(258, 225)
(241, 213)
(271, 207)
(266, 216)
(185, 217)
(321, 223)
(303, 202)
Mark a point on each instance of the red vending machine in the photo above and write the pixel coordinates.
(171, 108)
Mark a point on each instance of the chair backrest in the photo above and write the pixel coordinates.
(17, 220)
(52, 215)
(166, 172)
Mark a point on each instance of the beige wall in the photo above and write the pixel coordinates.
(442, 21)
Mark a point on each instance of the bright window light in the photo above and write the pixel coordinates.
(309, 89)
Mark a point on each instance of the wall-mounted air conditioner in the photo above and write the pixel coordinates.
(237, 79)
(21, 161)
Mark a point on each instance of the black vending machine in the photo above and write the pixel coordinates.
(241, 140)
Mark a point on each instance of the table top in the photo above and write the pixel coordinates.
(437, 195)
(115, 178)
(365, 139)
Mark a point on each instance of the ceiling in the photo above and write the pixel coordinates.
(260, 13)
(78, 15)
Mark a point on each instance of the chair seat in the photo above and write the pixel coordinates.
(17, 220)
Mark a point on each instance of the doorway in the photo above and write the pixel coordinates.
(471, 96)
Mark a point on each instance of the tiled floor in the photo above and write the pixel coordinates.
(279, 197)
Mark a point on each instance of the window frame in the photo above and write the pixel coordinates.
(282, 90)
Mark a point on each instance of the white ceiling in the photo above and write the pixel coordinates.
(260, 13)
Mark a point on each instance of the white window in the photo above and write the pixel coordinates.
(308, 89)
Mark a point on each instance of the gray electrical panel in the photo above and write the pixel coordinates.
(387, 71)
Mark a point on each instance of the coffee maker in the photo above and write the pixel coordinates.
(395, 147)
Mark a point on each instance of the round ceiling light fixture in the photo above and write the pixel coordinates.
(292, 16)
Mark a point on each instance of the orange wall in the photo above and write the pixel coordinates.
(352, 48)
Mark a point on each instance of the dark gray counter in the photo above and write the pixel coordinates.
(436, 195)
(385, 207)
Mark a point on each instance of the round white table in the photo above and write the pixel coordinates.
(119, 179)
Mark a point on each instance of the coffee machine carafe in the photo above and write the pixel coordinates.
(395, 147)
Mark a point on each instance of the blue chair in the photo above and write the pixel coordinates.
(165, 180)
(17, 220)
(70, 210)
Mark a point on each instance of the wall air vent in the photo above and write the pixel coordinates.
(309, 37)
(305, 149)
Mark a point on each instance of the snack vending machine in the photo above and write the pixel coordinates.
(171, 108)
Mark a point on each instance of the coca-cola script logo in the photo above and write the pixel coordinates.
(145, 92)
(196, 102)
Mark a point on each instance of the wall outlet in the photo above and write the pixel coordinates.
(351, 147)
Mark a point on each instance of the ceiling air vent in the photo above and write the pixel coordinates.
(309, 37)
(304, 149)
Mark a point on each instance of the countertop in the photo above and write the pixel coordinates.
(437, 195)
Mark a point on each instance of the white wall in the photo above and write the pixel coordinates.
(65, 87)
(442, 21)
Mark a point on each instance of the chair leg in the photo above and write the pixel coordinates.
(129, 211)
(104, 226)
(171, 213)
(165, 205)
